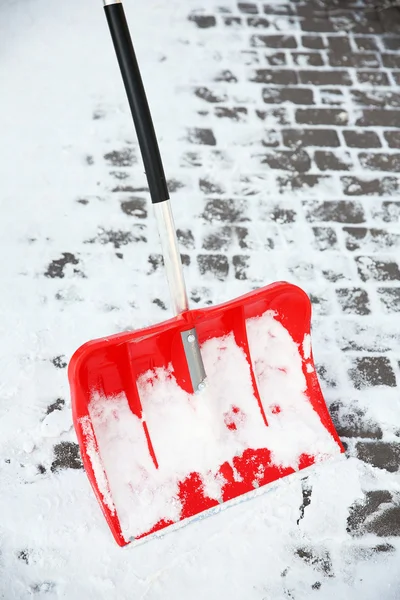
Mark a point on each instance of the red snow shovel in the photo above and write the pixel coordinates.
(110, 373)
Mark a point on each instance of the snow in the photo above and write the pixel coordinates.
(57, 71)
(199, 433)
(97, 465)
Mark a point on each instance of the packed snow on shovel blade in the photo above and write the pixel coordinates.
(199, 433)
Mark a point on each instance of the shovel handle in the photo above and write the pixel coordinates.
(150, 152)
(135, 91)
(156, 179)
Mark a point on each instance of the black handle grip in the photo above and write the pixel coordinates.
(137, 101)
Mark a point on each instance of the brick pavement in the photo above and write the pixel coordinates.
(325, 79)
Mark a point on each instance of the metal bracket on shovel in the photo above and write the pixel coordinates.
(156, 179)
(194, 360)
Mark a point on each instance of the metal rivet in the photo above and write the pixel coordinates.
(201, 386)
(191, 338)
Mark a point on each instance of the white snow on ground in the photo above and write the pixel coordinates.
(57, 68)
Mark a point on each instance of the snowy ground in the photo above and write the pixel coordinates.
(253, 204)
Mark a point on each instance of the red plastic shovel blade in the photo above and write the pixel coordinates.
(117, 369)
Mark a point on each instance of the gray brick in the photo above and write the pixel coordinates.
(375, 514)
(314, 42)
(271, 138)
(378, 98)
(339, 45)
(371, 371)
(366, 335)
(389, 18)
(321, 116)
(237, 113)
(327, 374)
(339, 269)
(365, 60)
(366, 43)
(226, 75)
(273, 41)
(387, 523)
(203, 294)
(311, 9)
(310, 137)
(135, 207)
(366, 22)
(317, 25)
(240, 265)
(156, 261)
(301, 181)
(276, 60)
(385, 186)
(229, 211)
(259, 22)
(55, 269)
(321, 303)
(279, 77)
(391, 61)
(287, 160)
(391, 43)
(185, 259)
(174, 185)
(209, 186)
(326, 77)
(325, 238)
(277, 95)
(380, 161)
(203, 21)
(248, 8)
(339, 60)
(282, 215)
(340, 212)
(373, 78)
(377, 269)
(308, 59)
(185, 238)
(121, 158)
(361, 238)
(389, 299)
(59, 362)
(278, 116)
(198, 135)
(191, 159)
(232, 21)
(66, 456)
(332, 96)
(213, 264)
(242, 235)
(353, 301)
(379, 118)
(352, 421)
(329, 161)
(382, 455)
(278, 9)
(362, 139)
(392, 138)
(320, 560)
(208, 95)
(388, 211)
(220, 239)
(359, 60)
